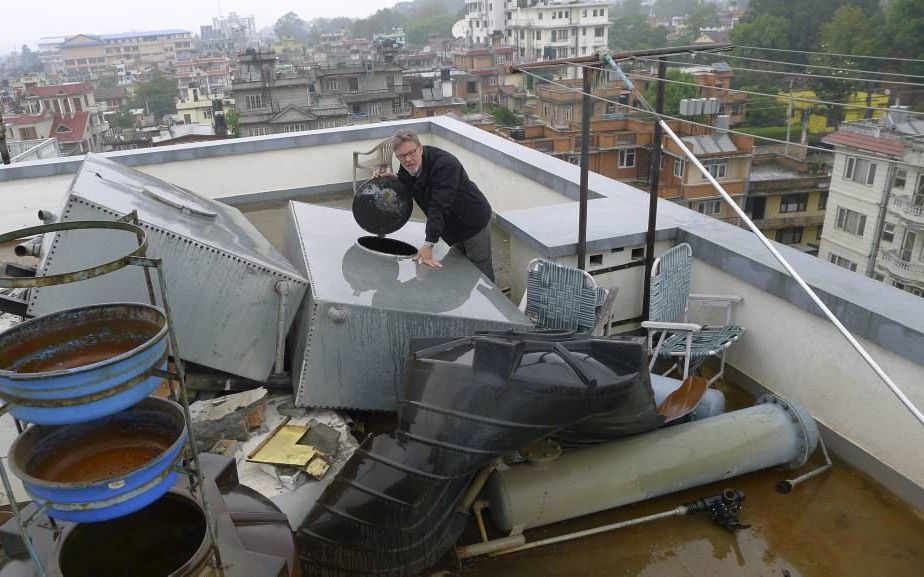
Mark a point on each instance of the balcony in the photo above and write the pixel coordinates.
(812, 220)
(788, 348)
(910, 210)
(900, 263)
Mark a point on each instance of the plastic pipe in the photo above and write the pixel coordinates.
(773, 433)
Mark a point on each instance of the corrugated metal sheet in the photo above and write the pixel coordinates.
(352, 335)
(221, 272)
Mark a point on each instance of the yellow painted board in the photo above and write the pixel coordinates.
(282, 448)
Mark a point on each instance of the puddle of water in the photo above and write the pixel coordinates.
(838, 525)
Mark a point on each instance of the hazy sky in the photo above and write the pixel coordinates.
(26, 22)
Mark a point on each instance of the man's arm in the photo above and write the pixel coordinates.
(444, 185)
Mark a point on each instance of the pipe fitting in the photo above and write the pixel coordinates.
(31, 247)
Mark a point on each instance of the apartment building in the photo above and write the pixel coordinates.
(539, 29)
(561, 104)
(485, 71)
(76, 118)
(787, 198)
(874, 224)
(88, 56)
(211, 75)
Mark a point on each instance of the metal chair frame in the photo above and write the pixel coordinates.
(670, 300)
(384, 154)
(587, 311)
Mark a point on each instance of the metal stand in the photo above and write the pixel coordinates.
(137, 257)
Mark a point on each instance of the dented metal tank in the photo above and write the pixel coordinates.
(223, 277)
(355, 324)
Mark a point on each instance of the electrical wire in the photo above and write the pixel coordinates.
(801, 74)
(725, 55)
(755, 93)
(709, 126)
(737, 46)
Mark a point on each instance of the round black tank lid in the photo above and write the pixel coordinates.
(382, 205)
(387, 246)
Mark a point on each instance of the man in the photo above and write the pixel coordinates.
(456, 209)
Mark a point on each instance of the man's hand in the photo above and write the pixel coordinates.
(386, 173)
(425, 256)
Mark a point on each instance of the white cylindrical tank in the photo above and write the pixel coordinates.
(775, 432)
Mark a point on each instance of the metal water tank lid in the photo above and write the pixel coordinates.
(382, 206)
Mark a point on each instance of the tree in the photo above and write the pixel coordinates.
(234, 123)
(904, 24)
(503, 116)
(122, 118)
(673, 92)
(805, 18)
(765, 31)
(701, 15)
(765, 110)
(291, 26)
(382, 21)
(419, 30)
(158, 95)
(29, 60)
(633, 32)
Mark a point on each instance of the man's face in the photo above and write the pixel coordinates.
(410, 155)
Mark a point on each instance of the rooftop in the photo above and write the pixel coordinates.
(788, 348)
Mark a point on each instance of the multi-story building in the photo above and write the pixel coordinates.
(539, 29)
(86, 56)
(485, 70)
(561, 104)
(271, 103)
(228, 35)
(786, 199)
(77, 118)
(194, 106)
(874, 224)
(211, 75)
(550, 29)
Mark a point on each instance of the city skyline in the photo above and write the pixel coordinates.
(111, 17)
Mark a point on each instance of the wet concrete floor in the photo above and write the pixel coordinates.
(840, 524)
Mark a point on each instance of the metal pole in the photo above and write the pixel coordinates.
(811, 293)
(653, 191)
(4, 151)
(788, 120)
(586, 108)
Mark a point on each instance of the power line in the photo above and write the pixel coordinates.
(725, 55)
(709, 126)
(829, 54)
(755, 93)
(802, 74)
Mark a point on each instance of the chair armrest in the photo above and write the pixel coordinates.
(715, 301)
(604, 312)
(662, 326)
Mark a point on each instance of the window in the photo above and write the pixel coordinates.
(254, 101)
(584, 13)
(791, 235)
(850, 221)
(545, 110)
(888, 232)
(375, 108)
(823, 201)
(77, 105)
(540, 16)
(627, 158)
(794, 202)
(538, 34)
(860, 170)
(354, 85)
(599, 31)
(709, 207)
(259, 131)
(295, 127)
(898, 181)
(28, 133)
(842, 262)
(500, 59)
(333, 84)
(396, 105)
(569, 111)
(678, 167)
(718, 169)
(187, 119)
(207, 113)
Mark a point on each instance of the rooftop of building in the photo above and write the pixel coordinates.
(788, 348)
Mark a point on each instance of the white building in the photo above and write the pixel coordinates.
(539, 29)
(874, 222)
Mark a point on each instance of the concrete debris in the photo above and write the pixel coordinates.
(322, 437)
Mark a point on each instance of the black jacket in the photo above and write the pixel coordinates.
(456, 210)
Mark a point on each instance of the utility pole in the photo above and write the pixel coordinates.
(4, 151)
(586, 109)
(653, 191)
(788, 120)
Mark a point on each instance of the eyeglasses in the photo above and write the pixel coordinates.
(407, 154)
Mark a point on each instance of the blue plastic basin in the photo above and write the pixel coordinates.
(81, 364)
(104, 469)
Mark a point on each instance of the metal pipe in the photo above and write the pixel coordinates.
(32, 247)
(790, 484)
(678, 512)
(282, 288)
(586, 108)
(653, 191)
(504, 544)
(792, 272)
(775, 432)
(49, 217)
